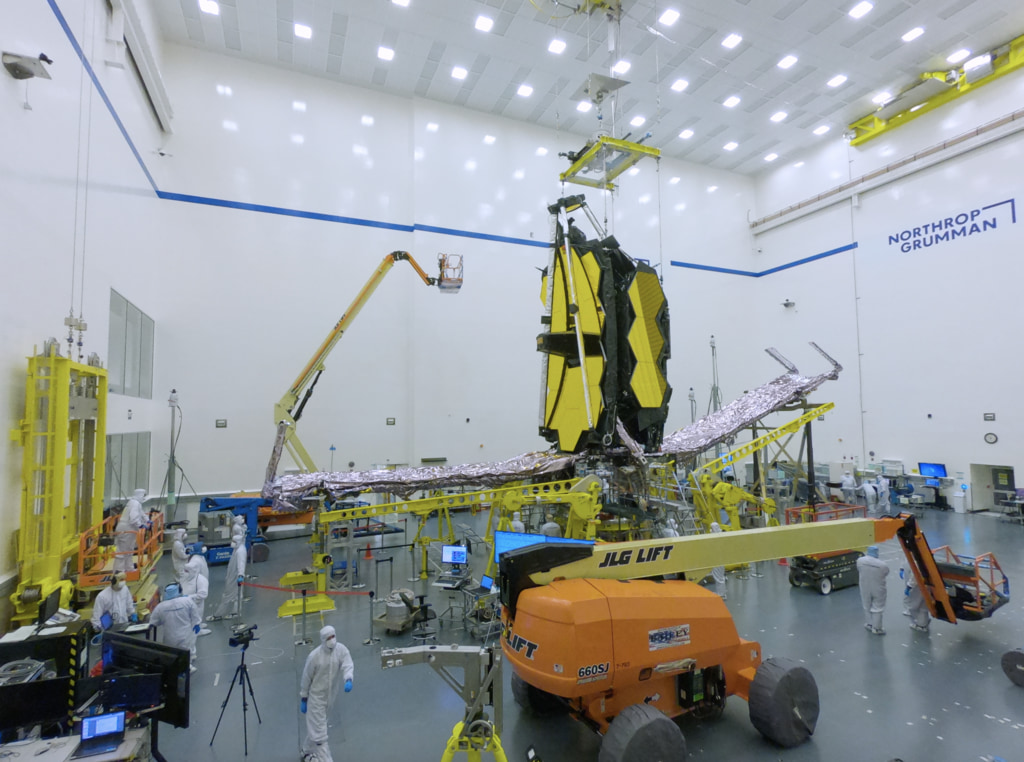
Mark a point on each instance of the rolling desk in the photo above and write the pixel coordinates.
(134, 748)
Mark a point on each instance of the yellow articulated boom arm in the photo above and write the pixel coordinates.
(289, 409)
(539, 565)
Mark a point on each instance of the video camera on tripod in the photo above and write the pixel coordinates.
(242, 635)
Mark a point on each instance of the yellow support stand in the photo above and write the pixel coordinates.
(63, 436)
(473, 745)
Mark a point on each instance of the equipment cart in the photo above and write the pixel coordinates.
(825, 571)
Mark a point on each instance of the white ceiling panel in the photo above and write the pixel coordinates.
(429, 37)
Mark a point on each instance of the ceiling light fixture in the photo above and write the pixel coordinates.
(385, 54)
(913, 34)
(731, 101)
(679, 85)
(303, 31)
(299, 105)
(557, 46)
(431, 126)
(712, 188)
(524, 91)
(367, 120)
(732, 145)
(634, 171)
(459, 73)
(489, 139)
(882, 97)
(837, 80)
(861, 9)
(542, 151)
(209, 6)
(959, 56)
(732, 41)
(778, 116)
(821, 130)
(669, 17)
(584, 106)
(786, 62)
(771, 157)
(686, 134)
(674, 181)
(298, 140)
(637, 121)
(403, 3)
(223, 90)
(484, 23)
(621, 67)
(230, 126)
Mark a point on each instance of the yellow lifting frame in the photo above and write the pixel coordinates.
(63, 436)
(624, 155)
(871, 126)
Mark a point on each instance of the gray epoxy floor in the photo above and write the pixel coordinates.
(917, 697)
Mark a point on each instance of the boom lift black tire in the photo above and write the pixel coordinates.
(642, 733)
(1013, 666)
(541, 703)
(825, 585)
(784, 702)
(793, 579)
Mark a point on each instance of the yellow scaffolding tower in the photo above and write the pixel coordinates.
(63, 435)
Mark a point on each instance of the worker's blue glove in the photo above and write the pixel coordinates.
(302, 706)
(134, 618)
(348, 686)
(196, 628)
(241, 578)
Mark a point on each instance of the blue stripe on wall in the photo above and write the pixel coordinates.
(99, 88)
(751, 274)
(335, 218)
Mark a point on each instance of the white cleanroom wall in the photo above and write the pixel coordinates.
(927, 299)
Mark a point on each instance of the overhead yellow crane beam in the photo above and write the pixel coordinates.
(1005, 59)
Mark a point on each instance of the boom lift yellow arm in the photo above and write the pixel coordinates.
(289, 408)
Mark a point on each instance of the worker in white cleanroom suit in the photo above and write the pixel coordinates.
(848, 485)
(176, 620)
(196, 587)
(115, 600)
(872, 571)
(233, 579)
(517, 523)
(870, 496)
(197, 560)
(920, 617)
(133, 518)
(718, 573)
(883, 493)
(328, 666)
(238, 525)
(551, 528)
(669, 529)
(178, 555)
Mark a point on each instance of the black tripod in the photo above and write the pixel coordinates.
(242, 678)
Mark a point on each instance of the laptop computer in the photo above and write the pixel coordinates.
(485, 586)
(101, 734)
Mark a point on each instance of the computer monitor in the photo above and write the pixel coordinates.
(48, 607)
(506, 541)
(131, 692)
(486, 582)
(98, 725)
(931, 482)
(453, 554)
(932, 469)
(130, 655)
